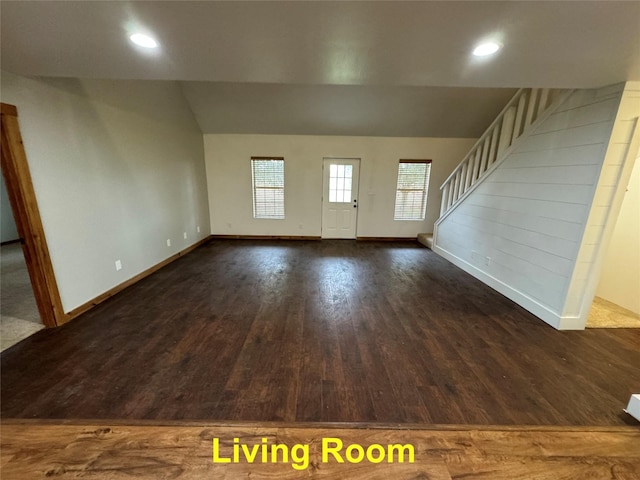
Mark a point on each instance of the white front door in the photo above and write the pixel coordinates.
(340, 197)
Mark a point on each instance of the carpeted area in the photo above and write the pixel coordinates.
(605, 314)
(19, 313)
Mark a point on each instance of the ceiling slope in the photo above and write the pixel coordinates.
(344, 109)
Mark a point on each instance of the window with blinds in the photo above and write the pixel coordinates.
(267, 174)
(412, 189)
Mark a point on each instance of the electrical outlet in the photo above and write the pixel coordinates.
(184, 235)
(487, 261)
(168, 242)
(300, 226)
(198, 229)
(228, 225)
(118, 265)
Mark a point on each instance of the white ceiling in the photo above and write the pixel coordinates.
(347, 68)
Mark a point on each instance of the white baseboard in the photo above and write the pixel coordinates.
(541, 311)
(633, 408)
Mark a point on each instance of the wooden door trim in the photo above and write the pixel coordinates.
(28, 221)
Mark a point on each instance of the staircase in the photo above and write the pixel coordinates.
(527, 107)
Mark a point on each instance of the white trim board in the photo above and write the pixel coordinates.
(633, 408)
(539, 310)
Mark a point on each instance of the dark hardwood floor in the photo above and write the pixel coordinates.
(330, 331)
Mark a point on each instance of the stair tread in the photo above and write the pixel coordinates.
(426, 239)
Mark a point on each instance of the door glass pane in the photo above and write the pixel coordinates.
(340, 179)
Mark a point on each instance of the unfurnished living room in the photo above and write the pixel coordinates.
(304, 239)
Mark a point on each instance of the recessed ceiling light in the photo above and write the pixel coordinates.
(488, 48)
(143, 40)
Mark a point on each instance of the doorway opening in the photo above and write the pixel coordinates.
(22, 198)
(19, 317)
(616, 304)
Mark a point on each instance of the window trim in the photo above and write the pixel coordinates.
(425, 189)
(253, 189)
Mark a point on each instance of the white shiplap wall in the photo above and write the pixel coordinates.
(614, 178)
(521, 230)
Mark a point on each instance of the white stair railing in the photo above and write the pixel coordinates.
(526, 106)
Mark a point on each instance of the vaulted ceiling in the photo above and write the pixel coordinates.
(345, 68)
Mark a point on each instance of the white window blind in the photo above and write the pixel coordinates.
(267, 175)
(412, 189)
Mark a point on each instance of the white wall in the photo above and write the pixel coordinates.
(8, 229)
(229, 180)
(522, 228)
(118, 168)
(614, 178)
(620, 279)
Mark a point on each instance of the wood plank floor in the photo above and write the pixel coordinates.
(330, 331)
(120, 451)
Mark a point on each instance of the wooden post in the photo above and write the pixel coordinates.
(494, 144)
(544, 99)
(445, 199)
(468, 178)
(531, 108)
(458, 181)
(476, 163)
(507, 130)
(517, 125)
(484, 164)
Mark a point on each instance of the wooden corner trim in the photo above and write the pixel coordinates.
(85, 307)
(24, 205)
(387, 239)
(265, 237)
(8, 109)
